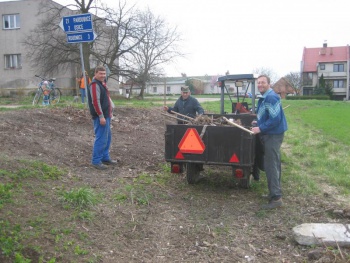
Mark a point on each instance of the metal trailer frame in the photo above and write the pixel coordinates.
(223, 145)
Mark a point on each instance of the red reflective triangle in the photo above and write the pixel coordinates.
(234, 159)
(191, 142)
(179, 155)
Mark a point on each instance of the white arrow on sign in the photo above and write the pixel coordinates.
(76, 23)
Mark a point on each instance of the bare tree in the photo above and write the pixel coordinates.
(196, 85)
(117, 34)
(267, 71)
(46, 45)
(158, 46)
(123, 29)
(295, 79)
(214, 81)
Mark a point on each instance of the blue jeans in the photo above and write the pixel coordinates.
(46, 100)
(82, 93)
(102, 143)
(272, 162)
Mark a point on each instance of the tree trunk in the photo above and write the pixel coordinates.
(130, 91)
(142, 90)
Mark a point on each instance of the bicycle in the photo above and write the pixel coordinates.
(54, 92)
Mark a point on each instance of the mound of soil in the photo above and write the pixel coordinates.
(147, 214)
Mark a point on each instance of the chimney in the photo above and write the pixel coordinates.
(323, 50)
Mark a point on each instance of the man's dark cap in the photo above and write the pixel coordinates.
(185, 89)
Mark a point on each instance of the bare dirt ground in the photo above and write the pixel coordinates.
(146, 214)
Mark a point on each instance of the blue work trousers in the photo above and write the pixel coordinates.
(272, 163)
(82, 93)
(103, 138)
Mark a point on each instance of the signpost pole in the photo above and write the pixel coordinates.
(83, 69)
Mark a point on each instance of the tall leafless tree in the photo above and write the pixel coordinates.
(267, 71)
(295, 79)
(117, 34)
(122, 28)
(158, 47)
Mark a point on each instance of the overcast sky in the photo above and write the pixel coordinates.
(241, 35)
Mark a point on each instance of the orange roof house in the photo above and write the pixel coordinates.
(331, 62)
(313, 56)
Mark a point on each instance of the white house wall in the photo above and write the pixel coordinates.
(175, 88)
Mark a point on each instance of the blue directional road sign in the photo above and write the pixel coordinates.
(79, 37)
(76, 23)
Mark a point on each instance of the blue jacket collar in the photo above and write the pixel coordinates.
(266, 93)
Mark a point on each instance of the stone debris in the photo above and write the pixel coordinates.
(323, 234)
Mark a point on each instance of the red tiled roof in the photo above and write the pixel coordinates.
(312, 56)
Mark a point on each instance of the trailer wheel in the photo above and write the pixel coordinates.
(192, 173)
(246, 182)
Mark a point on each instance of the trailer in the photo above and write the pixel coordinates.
(189, 147)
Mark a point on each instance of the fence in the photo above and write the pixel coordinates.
(21, 92)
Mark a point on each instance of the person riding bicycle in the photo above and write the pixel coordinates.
(46, 91)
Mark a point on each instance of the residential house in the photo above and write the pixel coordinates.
(283, 87)
(332, 63)
(172, 85)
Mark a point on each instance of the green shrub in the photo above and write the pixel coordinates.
(80, 198)
(310, 97)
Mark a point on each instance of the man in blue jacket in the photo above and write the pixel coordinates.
(271, 125)
(186, 105)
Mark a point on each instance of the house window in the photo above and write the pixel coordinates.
(168, 89)
(338, 68)
(307, 91)
(322, 66)
(13, 61)
(307, 78)
(10, 21)
(154, 89)
(338, 83)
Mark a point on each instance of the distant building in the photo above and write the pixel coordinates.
(283, 87)
(333, 63)
(172, 85)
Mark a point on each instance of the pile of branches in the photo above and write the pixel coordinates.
(207, 121)
(202, 120)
